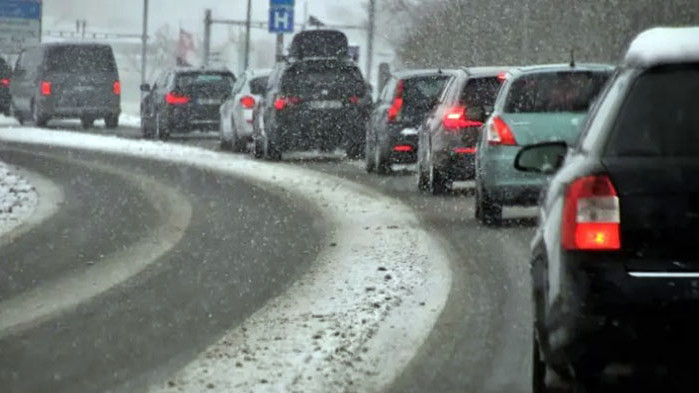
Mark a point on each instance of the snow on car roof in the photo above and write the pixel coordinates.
(663, 45)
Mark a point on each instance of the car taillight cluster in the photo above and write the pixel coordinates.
(456, 119)
(174, 98)
(116, 88)
(591, 215)
(247, 102)
(283, 102)
(5, 82)
(499, 133)
(46, 88)
(397, 106)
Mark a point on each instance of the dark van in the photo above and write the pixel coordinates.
(67, 80)
(5, 76)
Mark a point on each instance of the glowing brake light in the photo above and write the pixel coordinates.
(397, 106)
(591, 215)
(402, 148)
(5, 82)
(354, 99)
(247, 102)
(45, 88)
(502, 77)
(499, 133)
(282, 102)
(173, 98)
(116, 87)
(455, 119)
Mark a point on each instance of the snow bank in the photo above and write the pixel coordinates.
(352, 322)
(18, 199)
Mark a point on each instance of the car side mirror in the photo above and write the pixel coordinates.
(476, 113)
(546, 158)
(145, 87)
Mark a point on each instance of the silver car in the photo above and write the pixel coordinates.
(237, 111)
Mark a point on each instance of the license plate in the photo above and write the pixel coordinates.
(325, 104)
(209, 101)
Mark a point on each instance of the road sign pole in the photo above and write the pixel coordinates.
(247, 35)
(279, 50)
(144, 42)
(207, 37)
(370, 39)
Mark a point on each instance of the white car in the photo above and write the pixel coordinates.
(236, 112)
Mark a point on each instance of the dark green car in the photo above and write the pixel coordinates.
(536, 104)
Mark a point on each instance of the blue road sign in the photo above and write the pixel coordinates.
(20, 9)
(281, 16)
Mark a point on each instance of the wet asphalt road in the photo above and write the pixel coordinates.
(243, 246)
(481, 342)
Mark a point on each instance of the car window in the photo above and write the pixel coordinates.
(317, 77)
(258, 85)
(205, 79)
(480, 92)
(80, 59)
(555, 91)
(659, 116)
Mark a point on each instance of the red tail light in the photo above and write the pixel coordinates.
(5, 82)
(465, 150)
(502, 77)
(499, 133)
(455, 119)
(45, 88)
(591, 215)
(173, 98)
(282, 102)
(402, 148)
(247, 102)
(117, 88)
(354, 99)
(397, 106)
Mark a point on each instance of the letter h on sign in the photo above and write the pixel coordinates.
(281, 16)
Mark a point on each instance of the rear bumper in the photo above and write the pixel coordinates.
(186, 119)
(617, 315)
(317, 130)
(50, 107)
(503, 183)
(400, 144)
(457, 164)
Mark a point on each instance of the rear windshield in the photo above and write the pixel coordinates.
(660, 116)
(555, 92)
(481, 92)
(218, 80)
(329, 79)
(420, 94)
(81, 59)
(259, 85)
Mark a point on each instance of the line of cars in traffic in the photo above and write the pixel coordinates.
(610, 154)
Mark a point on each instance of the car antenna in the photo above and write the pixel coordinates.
(572, 57)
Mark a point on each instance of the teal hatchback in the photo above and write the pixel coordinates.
(536, 104)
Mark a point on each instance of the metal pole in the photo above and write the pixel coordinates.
(280, 47)
(370, 39)
(207, 37)
(247, 35)
(144, 42)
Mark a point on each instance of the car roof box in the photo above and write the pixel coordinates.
(319, 44)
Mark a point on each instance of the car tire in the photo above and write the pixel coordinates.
(369, 162)
(383, 166)
(539, 368)
(258, 149)
(225, 145)
(438, 183)
(161, 132)
(111, 121)
(17, 115)
(354, 150)
(40, 120)
(488, 212)
(423, 179)
(87, 122)
(239, 146)
(272, 152)
(146, 131)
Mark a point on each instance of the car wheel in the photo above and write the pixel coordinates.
(111, 121)
(161, 132)
(226, 145)
(369, 162)
(488, 212)
(87, 122)
(146, 131)
(354, 150)
(39, 119)
(422, 178)
(383, 166)
(258, 150)
(438, 183)
(272, 152)
(17, 115)
(539, 369)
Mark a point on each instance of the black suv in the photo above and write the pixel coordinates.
(313, 101)
(615, 268)
(67, 80)
(184, 100)
(407, 99)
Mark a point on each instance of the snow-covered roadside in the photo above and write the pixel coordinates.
(18, 198)
(352, 322)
